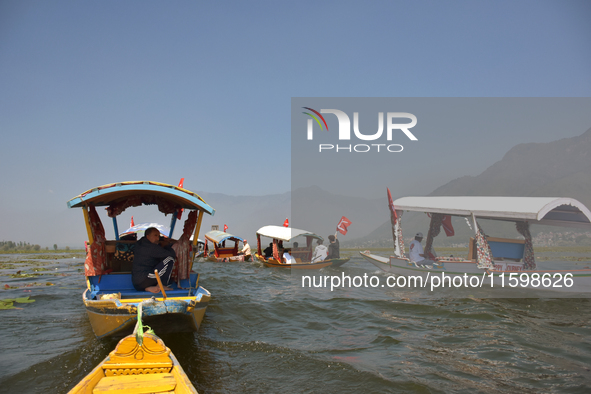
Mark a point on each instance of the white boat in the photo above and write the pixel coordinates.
(491, 262)
(302, 254)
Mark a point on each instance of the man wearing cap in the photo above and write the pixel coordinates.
(246, 250)
(416, 253)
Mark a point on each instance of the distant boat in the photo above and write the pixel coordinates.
(302, 254)
(110, 298)
(140, 363)
(219, 251)
(137, 231)
(496, 260)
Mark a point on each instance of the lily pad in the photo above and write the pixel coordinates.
(6, 305)
(24, 300)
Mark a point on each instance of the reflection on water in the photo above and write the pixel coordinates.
(263, 333)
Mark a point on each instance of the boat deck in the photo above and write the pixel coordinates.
(121, 286)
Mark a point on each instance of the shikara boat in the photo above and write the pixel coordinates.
(140, 363)
(302, 254)
(493, 259)
(110, 298)
(219, 251)
(136, 231)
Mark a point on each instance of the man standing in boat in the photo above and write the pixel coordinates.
(333, 248)
(246, 250)
(150, 256)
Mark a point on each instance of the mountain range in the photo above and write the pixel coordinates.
(555, 169)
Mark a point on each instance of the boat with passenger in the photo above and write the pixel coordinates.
(110, 299)
(302, 254)
(489, 255)
(221, 252)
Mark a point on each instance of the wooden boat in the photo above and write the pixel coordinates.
(302, 255)
(110, 298)
(140, 363)
(219, 251)
(493, 259)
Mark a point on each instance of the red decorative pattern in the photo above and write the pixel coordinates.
(95, 263)
(483, 252)
(164, 206)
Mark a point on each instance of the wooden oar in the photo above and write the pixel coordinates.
(160, 284)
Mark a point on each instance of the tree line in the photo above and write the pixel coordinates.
(10, 246)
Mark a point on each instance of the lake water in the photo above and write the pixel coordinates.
(263, 333)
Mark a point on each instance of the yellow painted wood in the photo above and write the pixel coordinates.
(87, 221)
(152, 353)
(136, 384)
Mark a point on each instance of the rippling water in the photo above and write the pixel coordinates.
(263, 333)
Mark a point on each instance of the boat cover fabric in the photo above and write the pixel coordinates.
(560, 211)
(165, 206)
(397, 233)
(529, 261)
(95, 263)
(483, 252)
(434, 230)
(182, 249)
(284, 233)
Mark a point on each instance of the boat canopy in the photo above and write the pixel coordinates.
(218, 237)
(144, 226)
(119, 196)
(285, 233)
(556, 211)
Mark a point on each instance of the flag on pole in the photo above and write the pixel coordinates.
(286, 223)
(343, 224)
(225, 228)
(178, 216)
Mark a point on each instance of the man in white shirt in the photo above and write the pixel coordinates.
(246, 250)
(320, 252)
(416, 253)
(287, 257)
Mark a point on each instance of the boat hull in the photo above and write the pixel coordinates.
(111, 304)
(557, 281)
(135, 368)
(308, 266)
(118, 317)
(337, 262)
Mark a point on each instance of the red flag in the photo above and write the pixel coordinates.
(286, 223)
(343, 224)
(225, 228)
(447, 227)
(178, 216)
(132, 223)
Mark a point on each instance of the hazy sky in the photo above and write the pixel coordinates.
(97, 92)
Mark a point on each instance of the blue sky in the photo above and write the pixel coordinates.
(97, 92)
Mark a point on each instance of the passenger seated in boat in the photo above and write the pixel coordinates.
(416, 253)
(268, 250)
(320, 252)
(287, 257)
(150, 256)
